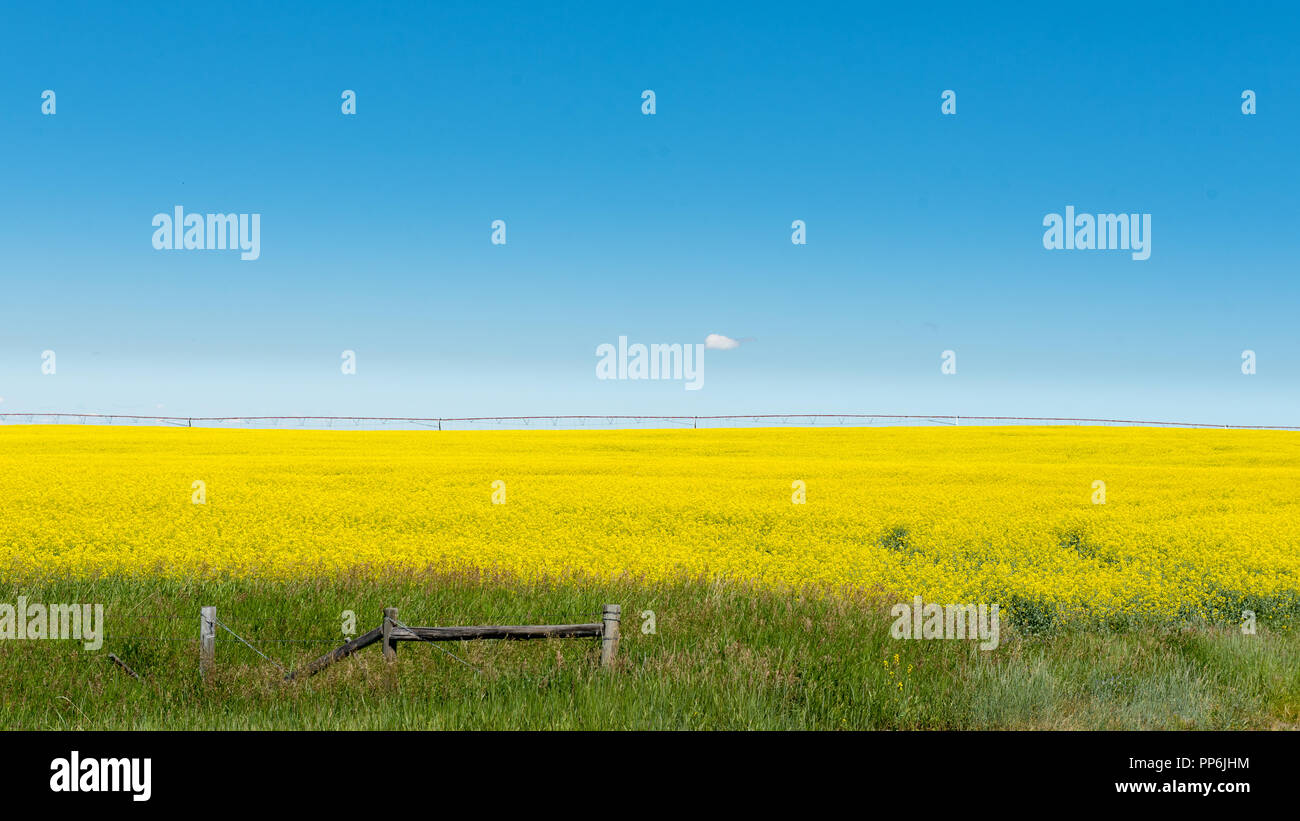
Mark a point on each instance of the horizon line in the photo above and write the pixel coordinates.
(942, 418)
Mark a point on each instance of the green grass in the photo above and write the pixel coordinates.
(724, 656)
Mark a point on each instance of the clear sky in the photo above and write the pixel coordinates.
(924, 231)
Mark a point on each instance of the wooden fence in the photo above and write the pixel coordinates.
(391, 631)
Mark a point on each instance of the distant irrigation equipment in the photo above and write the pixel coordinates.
(590, 421)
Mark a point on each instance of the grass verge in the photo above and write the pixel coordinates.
(722, 656)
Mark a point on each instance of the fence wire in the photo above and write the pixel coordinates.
(573, 618)
(222, 625)
(435, 644)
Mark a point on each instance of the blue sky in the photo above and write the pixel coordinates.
(924, 230)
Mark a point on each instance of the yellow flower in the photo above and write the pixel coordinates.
(1191, 518)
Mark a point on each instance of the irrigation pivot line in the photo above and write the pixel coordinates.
(617, 420)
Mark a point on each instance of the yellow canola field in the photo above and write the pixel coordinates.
(969, 514)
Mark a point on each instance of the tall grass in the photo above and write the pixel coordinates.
(723, 656)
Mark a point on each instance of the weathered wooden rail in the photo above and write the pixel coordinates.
(390, 632)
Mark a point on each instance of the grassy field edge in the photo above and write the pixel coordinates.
(722, 655)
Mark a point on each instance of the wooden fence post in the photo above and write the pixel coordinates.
(207, 641)
(610, 616)
(390, 646)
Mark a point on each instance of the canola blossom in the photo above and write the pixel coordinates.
(1194, 522)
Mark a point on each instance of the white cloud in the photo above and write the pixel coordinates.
(718, 342)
